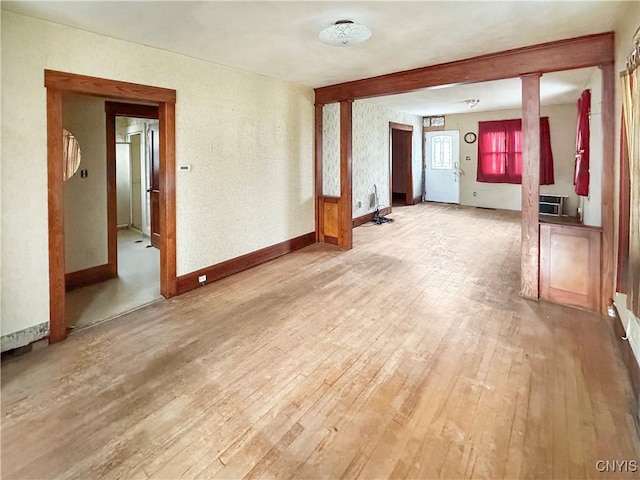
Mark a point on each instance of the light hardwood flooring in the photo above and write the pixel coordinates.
(410, 356)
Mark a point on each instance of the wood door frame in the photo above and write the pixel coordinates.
(587, 51)
(113, 110)
(57, 83)
(409, 179)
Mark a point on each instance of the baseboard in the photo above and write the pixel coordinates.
(89, 276)
(235, 265)
(369, 217)
(417, 199)
(630, 363)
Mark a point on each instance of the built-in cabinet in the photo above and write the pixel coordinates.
(570, 265)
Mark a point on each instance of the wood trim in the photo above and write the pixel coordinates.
(561, 279)
(88, 276)
(112, 197)
(568, 54)
(135, 110)
(331, 240)
(56, 83)
(319, 160)
(345, 228)
(409, 148)
(330, 199)
(368, 217)
(102, 87)
(608, 174)
(55, 197)
(219, 271)
(401, 126)
(624, 212)
(530, 243)
(168, 261)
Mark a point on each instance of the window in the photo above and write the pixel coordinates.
(500, 152)
(441, 152)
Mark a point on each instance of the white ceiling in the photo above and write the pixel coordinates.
(280, 39)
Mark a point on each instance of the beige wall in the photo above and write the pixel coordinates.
(592, 204)
(562, 122)
(85, 199)
(331, 150)
(248, 138)
(370, 152)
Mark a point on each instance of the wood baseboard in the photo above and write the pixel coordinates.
(219, 271)
(369, 216)
(331, 240)
(630, 363)
(89, 276)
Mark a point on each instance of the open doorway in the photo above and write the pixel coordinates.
(59, 84)
(122, 150)
(401, 153)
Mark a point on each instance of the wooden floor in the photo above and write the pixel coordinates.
(410, 356)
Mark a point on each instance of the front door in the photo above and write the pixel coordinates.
(154, 183)
(442, 169)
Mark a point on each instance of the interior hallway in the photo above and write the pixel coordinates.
(138, 284)
(411, 355)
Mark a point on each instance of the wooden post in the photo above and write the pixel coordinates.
(57, 321)
(345, 230)
(530, 242)
(319, 168)
(608, 173)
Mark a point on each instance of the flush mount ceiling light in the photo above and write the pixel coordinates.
(472, 102)
(344, 32)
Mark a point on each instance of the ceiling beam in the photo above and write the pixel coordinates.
(581, 52)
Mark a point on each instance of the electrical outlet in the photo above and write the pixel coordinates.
(372, 200)
(359, 204)
(202, 278)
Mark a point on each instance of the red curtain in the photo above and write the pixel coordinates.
(546, 155)
(500, 152)
(581, 173)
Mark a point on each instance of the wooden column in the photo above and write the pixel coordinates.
(608, 173)
(345, 230)
(57, 323)
(168, 247)
(530, 242)
(319, 168)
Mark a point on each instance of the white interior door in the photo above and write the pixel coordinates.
(442, 169)
(123, 183)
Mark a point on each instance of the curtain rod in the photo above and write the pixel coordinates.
(633, 60)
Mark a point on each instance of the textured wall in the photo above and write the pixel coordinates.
(562, 122)
(248, 138)
(592, 205)
(370, 152)
(85, 199)
(331, 150)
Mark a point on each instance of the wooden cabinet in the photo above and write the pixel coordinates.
(570, 265)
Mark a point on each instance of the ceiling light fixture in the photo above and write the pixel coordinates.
(472, 102)
(345, 32)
